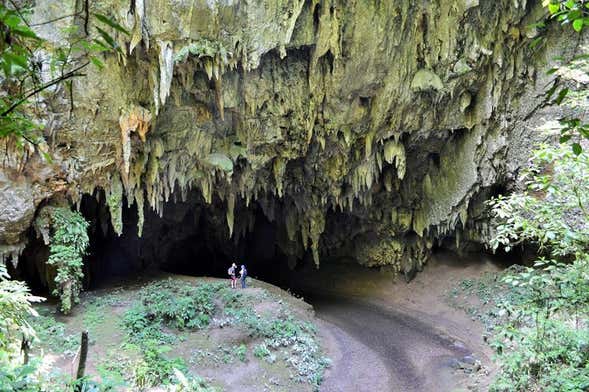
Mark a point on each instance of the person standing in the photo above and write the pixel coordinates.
(231, 271)
(242, 276)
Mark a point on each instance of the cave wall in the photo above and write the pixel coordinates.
(366, 129)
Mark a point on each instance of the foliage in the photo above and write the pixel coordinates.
(154, 368)
(552, 212)
(546, 336)
(283, 331)
(186, 383)
(68, 243)
(569, 12)
(16, 377)
(543, 341)
(52, 334)
(165, 303)
(241, 352)
(25, 57)
(178, 306)
(571, 76)
(15, 309)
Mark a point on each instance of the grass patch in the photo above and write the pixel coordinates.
(295, 340)
(52, 335)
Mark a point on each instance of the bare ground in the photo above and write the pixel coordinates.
(388, 335)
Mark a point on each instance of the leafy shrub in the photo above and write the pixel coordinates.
(171, 304)
(285, 332)
(154, 368)
(261, 351)
(179, 306)
(186, 383)
(241, 352)
(18, 378)
(15, 310)
(66, 232)
(546, 332)
(52, 333)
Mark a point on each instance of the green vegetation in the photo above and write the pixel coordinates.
(186, 307)
(68, 240)
(24, 72)
(166, 327)
(294, 339)
(538, 317)
(15, 309)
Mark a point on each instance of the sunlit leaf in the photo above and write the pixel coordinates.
(110, 22)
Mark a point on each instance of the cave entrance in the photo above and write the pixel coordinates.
(188, 237)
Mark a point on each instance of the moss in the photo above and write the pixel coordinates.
(114, 200)
(426, 80)
(296, 120)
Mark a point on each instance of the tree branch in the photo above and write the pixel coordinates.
(71, 74)
(56, 19)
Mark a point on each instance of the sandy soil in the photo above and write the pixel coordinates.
(388, 335)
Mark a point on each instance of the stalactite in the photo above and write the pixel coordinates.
(114, 200)
(166, 63)
(230, 212)
(395, 152)
(139, 200)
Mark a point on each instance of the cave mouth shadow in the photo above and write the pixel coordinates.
(189, 238)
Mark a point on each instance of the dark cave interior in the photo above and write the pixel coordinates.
(189, 238)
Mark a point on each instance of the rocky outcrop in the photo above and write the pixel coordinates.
(369, 128)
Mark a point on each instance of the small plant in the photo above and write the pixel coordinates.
(241, 352)
(15, 310)
(184, 383)
(53, 334)
(66, 233)
(283, 331)
(154, 368)
(261, 351)
(179, 306)
(542, 342)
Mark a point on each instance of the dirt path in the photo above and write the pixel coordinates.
(414, 353)
(393, 336)
(346, 373)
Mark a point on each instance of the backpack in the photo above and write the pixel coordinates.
(244, 274)
(231, 271)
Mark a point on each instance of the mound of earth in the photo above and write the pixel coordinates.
(157, 332)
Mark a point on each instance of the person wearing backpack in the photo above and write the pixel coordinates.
(242, 276)
(231, 273)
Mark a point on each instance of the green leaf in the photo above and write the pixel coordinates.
(110, 22)
(47, 157)
(106, 36)
(97, 62)
(561, 95)
(553, 8)
(552, 71)
(103, 45)
(577, 149)
(578, 25)
(12, 20)
(21, 61)
(565, 138)
(24, 31)
(537, 42)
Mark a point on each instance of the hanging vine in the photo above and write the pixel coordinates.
(66, 233)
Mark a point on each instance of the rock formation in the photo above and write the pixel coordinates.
(367, 129)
